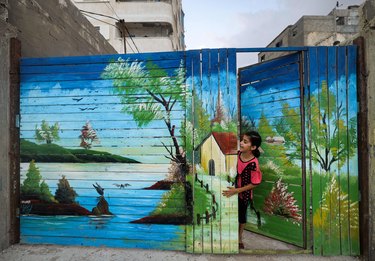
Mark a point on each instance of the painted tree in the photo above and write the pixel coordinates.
(199, 118)
(88, 136)
(289, 127)
(264, 127)
(331, 218)
(281, 202)
(148, 93)
(31, 185)
(47, 133)
(219, 111)
(247, 124)
(45, 193)
(65, 194)
(334, 138)
(222, 121)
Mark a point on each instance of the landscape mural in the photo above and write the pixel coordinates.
(271, 102)
(103, 158)
(116, 149)
(211, 142)
(333, 150)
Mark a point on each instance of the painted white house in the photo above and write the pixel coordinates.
(137, 26)
(220, 151)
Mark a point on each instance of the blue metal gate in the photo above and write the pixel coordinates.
(135, 150)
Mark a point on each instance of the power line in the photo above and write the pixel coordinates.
(121, 21)
(131, 48)
(111, 7)
(83, 11)
(101, 21)
(131, 38)
(113, 26)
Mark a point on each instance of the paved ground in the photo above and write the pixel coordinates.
(255, 245)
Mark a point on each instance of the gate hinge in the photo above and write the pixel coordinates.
(18, 121)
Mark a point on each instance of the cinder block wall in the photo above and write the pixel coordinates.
(55, 28)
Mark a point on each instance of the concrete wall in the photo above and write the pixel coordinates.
(6, 32)
(55, 28)
(368, 33)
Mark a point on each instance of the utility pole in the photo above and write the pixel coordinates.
(121, 25)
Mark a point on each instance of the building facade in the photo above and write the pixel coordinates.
(137, 26)
(335, 28)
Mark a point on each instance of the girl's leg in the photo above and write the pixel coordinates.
(241, 228)
(242, 206)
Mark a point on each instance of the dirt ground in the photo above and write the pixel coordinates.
(257, 248)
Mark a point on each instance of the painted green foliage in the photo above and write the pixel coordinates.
(169, 204)
(198, 125)
(329, 129)
(277, 161)
(333, 214)
(289, 127)
(334, 143)
(47, 133)
(270, 102)
(278, 166)
(32, 185)
(161, 93)
(148, 92)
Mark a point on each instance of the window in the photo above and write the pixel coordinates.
(279, 43)
(340, 20)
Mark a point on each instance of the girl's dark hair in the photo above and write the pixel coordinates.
(256, 140)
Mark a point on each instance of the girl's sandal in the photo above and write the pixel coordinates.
(241, 246)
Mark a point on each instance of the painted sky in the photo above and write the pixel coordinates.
(72, 94)
(246, 23)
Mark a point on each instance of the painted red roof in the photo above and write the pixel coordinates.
(226, 141)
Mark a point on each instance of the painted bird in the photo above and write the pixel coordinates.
(98, 188)
(122, 185)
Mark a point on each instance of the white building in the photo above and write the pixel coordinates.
(144, 25)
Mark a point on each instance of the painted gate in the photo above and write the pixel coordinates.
(331, 131)
(213, 124)
(305, 107)
(135, 150)
(103, 157)
(270, 103)
(109, 150)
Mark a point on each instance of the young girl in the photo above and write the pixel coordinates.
(248, 177)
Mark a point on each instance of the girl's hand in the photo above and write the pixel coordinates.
(229, 192)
